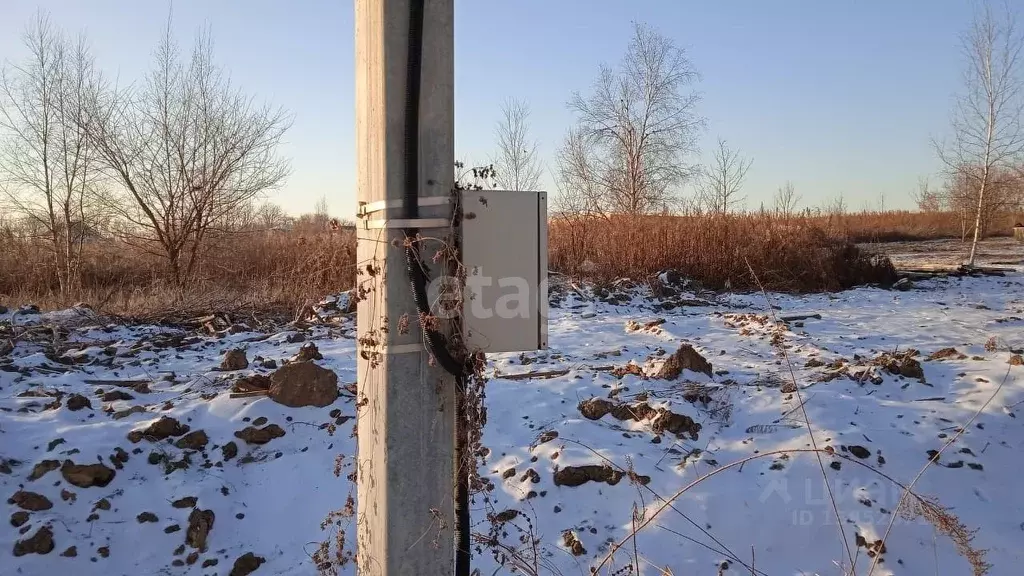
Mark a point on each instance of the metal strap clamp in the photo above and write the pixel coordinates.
(366, 209)
(396, 349)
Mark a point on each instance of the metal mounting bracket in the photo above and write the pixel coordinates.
(408, 223)
(389, 349)
(367, 208)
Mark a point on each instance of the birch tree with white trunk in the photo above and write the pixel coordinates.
(988, 138)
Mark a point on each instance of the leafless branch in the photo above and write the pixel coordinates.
(188, 149)
(635, 130)
(517, 164)
(720, 183)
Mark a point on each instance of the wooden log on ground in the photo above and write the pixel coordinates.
(118, 383)
(798, 317)
(251, 394)
(544, 374)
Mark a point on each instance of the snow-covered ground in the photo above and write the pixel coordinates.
(950, 252)
(695, 508)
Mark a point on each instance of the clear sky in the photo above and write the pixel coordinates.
(839, 97)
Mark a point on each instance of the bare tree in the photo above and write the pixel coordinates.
(986, 119)
(786, 199)
(188, 149)
(573, 207)
(836, 206)
(271, 216)
(321, 209)
(926, 198)
(1002, 196)
(517, 165)
(46, 162)
(242, 219)
(719, 184)
(636, 129)
(317, 221)
(957, 197)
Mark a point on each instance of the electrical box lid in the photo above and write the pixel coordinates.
(505, 254)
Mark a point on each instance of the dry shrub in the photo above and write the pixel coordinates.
(261, 271)
(789, 254)
(905, 225)
(283, 270)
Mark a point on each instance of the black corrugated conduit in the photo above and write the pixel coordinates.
(418, 280)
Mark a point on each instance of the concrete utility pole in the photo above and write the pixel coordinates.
(407, 424)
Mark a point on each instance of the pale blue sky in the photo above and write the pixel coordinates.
(839, 97)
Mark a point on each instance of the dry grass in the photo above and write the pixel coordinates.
(280, 271)
(790, 254)
(259, 271)
(904, 225)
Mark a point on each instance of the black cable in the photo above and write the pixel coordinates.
(418, 281)
(433, 338)
(412, 112)
(462, 551)
(410, 205)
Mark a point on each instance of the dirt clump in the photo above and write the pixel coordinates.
(303, 384)
(685, 358)
(902, 364)
(234, 360)
(661, 419)
(39, 543)
(571, 541)
(195, 440)
(229, 450)
(31, 501)
(308, 352)
(246, 564)
(42, 468)
(547, 436)
(186, 502)
(947, 353)
(634, 326)
(115, 395)
(596, 408)
(253, 435)
(579, 475)
(859, 451)
(630, 368)
(77, 402)
(162, 429)
(86, 475)
(200, 522)
(128, 412)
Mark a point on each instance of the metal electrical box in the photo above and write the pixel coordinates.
(505, 252)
